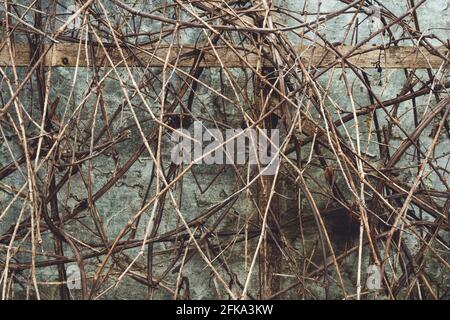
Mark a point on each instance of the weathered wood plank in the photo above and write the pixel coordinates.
(65, 54)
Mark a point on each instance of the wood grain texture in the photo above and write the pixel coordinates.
(65, 54)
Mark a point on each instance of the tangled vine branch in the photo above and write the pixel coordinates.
(93, 91)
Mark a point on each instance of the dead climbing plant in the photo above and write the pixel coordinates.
(92, 89)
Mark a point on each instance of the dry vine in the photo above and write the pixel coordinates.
(91, 91)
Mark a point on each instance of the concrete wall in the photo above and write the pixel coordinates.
(126, 197)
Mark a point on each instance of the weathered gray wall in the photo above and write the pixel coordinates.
(126, 197)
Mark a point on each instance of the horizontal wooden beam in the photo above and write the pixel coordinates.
(65, 54)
